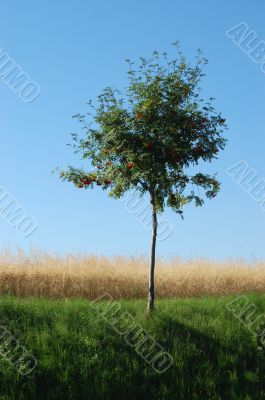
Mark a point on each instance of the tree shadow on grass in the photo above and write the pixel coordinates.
(208, 369)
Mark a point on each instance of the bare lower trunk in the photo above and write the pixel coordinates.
(151, 291)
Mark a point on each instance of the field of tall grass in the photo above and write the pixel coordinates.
(79, 356)
(88, 276)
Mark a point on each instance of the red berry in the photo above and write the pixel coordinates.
(149, 146)
(87, 181)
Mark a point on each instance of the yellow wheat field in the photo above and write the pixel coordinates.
(46, 275)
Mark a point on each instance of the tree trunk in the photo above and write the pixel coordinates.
(151, 291)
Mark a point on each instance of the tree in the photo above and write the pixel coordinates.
(149, 136)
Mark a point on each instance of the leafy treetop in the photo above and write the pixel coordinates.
(147, 137)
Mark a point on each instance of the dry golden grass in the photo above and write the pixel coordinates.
(45, 275)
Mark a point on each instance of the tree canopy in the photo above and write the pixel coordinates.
(147, 136)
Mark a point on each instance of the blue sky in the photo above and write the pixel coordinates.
(73, 49)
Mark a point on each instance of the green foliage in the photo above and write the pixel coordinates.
(81, 357)
(148, 137)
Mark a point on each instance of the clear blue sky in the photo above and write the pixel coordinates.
(75, 48)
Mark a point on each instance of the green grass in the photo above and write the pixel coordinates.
(81, 357)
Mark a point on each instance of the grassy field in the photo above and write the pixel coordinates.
(81, 356)
(45, 275)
